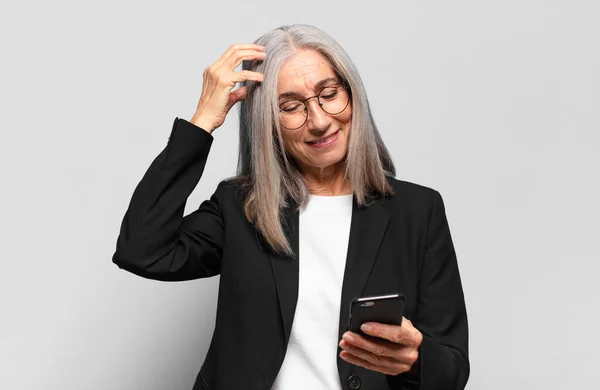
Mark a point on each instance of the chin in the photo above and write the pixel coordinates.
(310, 158)
(326, 163)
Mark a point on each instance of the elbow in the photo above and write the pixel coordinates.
(132, 263)
(458, 368)
(135, 268)
(463, 369)
(127, 263)
(171, 267)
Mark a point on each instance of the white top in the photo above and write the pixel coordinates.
(311, 356)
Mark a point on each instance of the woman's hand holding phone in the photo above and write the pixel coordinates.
(392, 349)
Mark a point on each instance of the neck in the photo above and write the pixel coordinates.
(327, 181)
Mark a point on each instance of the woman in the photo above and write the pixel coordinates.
(313, 219)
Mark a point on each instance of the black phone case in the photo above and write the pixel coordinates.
(386, 311)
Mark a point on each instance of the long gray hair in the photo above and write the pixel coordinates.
(267, 172)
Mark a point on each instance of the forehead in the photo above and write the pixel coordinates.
(301, 72)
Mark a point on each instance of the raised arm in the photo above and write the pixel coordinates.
(155, 240)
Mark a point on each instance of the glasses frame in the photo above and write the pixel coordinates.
(318, 96)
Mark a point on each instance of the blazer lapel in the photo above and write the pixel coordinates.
(286, 271)
(367, 229)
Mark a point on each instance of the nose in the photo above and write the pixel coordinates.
(318, 121)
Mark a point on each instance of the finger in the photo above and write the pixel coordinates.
(384, 348)
(350, 358)
(237, 95)
(405, 335)
(236, 58)
(231, 58)
(233, 48)
(377, 347)
(243, 75)
(378, 360)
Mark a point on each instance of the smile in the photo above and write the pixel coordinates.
(325, 142)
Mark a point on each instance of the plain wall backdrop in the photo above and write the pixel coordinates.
(494, 104)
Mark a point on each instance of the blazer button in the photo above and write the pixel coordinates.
(354, 382)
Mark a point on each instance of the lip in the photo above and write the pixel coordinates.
(333, 136)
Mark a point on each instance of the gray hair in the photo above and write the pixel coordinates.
(269, 175)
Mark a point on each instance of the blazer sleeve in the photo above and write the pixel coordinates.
(155, 240)
(441, 315)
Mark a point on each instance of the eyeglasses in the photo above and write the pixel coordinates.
(333, 99)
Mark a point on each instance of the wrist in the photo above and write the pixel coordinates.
(203, 123)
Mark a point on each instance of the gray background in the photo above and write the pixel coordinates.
(494, 104)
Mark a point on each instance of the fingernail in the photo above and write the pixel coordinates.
(348, 338)
(366, 328)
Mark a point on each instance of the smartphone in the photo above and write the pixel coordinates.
(385, 309)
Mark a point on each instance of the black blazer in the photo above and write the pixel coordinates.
(400, 243)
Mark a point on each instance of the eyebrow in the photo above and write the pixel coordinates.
(318, 85)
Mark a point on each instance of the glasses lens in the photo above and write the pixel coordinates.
(334, 99)
(292, 114)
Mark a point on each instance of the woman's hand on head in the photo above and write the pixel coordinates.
(392, 350)
(217, 96)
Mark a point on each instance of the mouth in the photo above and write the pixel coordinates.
(325, 141)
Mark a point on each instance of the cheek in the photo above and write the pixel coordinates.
(346, 116)
(293, 142)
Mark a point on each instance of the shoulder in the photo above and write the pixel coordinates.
(412, 191)
(412, 196)
(229, 192)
